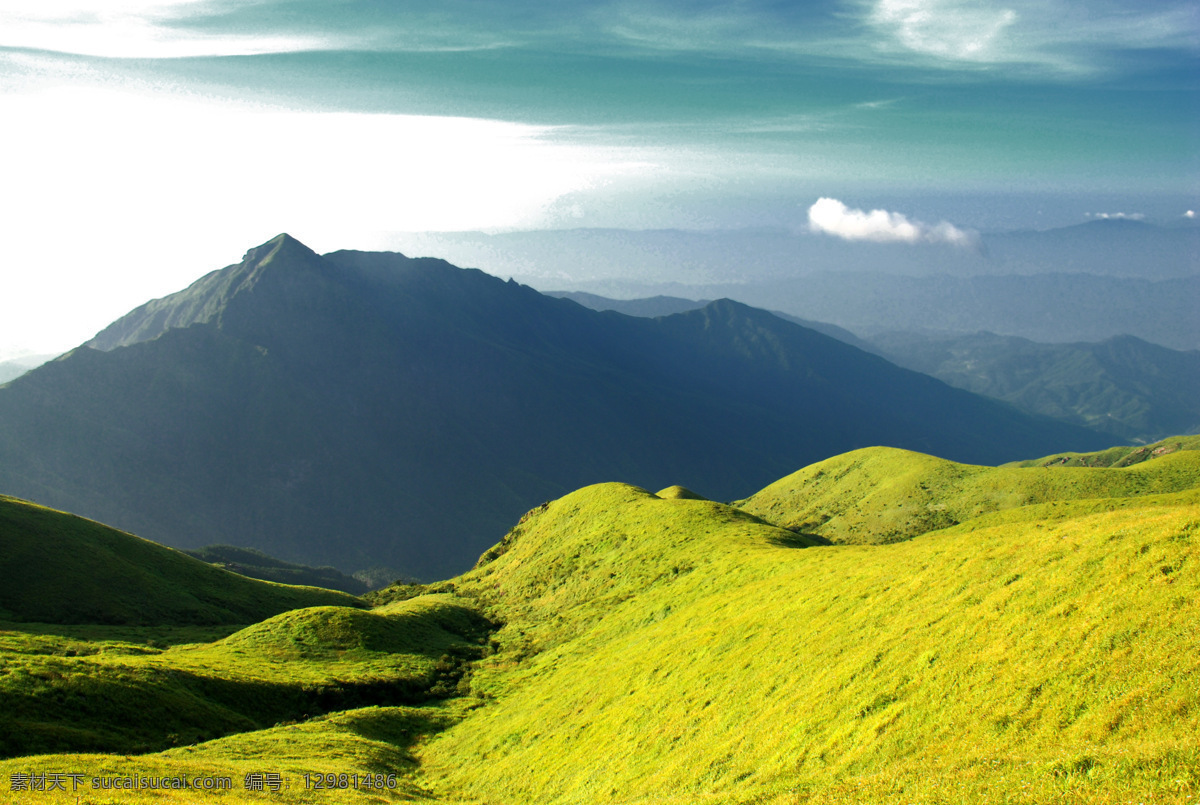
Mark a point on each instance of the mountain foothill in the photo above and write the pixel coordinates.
(880, 626)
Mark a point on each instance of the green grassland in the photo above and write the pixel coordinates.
(1035, 640)
(58, 568)
(880, 494)
(114, 643)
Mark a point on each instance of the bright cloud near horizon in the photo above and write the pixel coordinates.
(151, 141)
(832, 217)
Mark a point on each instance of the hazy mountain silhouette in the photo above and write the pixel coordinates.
(1087, 282)
(1125, 386)
(362, 409)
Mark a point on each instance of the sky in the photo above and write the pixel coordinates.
(147, 142)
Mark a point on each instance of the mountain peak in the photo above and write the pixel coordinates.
(208, 298)
(282, 245)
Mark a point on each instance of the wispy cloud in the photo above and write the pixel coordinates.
(134, 29)
(945, 28)
(1062, 36)
(1125, 216)
(832, 217)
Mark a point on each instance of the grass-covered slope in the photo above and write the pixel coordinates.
(88, 693)
(59, 568)
(1124, 456)
(670, 649)
(881, 494)
(678, 651)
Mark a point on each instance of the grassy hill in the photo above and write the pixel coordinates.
(670, 649)
(86, 688)
(59, 568)
(881, 494)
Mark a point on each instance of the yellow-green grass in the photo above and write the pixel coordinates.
(673, 650)
(62, 693)
(1023, 662)
(371, 747)
(59, 568)
(1123, 456)
(881, 494)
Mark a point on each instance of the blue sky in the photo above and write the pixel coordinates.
(149, 141)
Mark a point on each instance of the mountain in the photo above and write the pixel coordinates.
(1087, 282)
(649, 307)
(1125, 386)
(619, 646)
(15, 367)
(1041, 307)
(258, 565)
(655, 306)
(1115, 247)
(364, 409)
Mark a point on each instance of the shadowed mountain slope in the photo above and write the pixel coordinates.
(1125, 386)
(363, 409)
(654, 306)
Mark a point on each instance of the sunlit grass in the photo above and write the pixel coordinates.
(1037, 644)
(1025, 661)
(881, 494)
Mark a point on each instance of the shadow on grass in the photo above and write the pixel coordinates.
(796, 539)
(63, 707)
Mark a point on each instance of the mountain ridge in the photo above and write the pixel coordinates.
(321, 409)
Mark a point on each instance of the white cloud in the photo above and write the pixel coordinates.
(1126, 216)
(832, 217)
(120, 197)
(1061, 36)
(1190, 214)
(945, 28)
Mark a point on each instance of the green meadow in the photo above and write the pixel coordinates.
(881, 627)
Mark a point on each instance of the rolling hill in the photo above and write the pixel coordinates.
(366, 409)
(59, 568)
(619, 646)
(887, 495)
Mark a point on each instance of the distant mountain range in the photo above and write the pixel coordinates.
(366, 409)
(1125, 386)
(1109, 247)
(15, 367)
(1087, 282)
